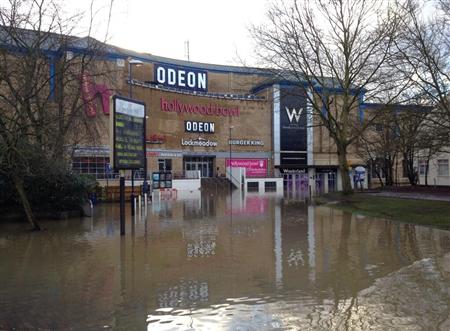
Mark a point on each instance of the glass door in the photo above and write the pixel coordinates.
(203, 167)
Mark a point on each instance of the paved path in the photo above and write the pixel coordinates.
(412, 195)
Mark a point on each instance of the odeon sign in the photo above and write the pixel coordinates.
(198, 127)
(181, 77)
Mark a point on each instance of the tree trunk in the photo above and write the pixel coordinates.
(343, 167)
(18, 183)
(427, 166)
(379, 178)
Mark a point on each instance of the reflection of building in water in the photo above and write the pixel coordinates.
(199, 208)
(201, 248)
(200, 238)
(184, 294)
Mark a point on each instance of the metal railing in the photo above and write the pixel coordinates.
(218, 95)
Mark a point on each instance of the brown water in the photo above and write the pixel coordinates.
(257, 263)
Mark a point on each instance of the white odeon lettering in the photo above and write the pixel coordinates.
(161, 75)
(182, 78)
(201, 127)
(191, 79)
(171, 74)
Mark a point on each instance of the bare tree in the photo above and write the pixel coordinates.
(380, 144)
(42, 67)
(423, 48)
(409, 126)
(341, 49)
(432, 140)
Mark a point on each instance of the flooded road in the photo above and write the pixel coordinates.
(214, 263)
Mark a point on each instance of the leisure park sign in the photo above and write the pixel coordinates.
(128, 134)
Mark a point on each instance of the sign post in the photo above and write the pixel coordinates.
(128, 143)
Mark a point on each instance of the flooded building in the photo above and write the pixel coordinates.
(206, 117)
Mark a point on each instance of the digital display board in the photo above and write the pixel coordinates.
(129, 134)
(293, 125)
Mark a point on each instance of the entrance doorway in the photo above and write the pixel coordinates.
(296, 184)
(205, 164)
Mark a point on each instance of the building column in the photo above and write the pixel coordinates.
(261, 186)
(338, 180)
(278, 249)
(312, 181)
(311, 244)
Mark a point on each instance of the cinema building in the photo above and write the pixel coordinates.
(205, 117)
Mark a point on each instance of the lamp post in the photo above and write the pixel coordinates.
(131, 63)
(229, 143)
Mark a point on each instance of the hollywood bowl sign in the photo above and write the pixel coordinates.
(212, 109)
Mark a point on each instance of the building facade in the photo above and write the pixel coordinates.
(207, 117)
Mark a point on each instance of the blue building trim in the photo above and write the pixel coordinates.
(52, 80)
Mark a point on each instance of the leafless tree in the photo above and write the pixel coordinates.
(423, 48)
(380, 145)
(341, 49)
(409, 124)
(42, 67)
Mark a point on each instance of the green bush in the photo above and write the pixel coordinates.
(53, 190)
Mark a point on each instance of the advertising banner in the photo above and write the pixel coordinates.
(253, 167)
(293, 124)
(129, 134)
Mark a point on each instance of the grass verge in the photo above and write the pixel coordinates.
(423, 212)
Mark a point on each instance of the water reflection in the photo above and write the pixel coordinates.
(213, 262)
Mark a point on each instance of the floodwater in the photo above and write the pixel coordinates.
(214, 263)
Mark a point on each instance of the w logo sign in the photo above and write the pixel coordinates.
(294, 114)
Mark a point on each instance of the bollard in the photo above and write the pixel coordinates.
(132, 204)
(145, 199)
(139, 203)
(122, 205)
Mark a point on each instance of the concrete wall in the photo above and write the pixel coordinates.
(261, 184)
(186, 184)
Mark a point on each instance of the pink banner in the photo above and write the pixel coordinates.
(89, 91)
(256, 205)
(253, 167)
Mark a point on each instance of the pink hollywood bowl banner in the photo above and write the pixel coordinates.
(253, 167)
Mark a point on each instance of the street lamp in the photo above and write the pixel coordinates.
(131, 63)
(230, 143)
(137, 63)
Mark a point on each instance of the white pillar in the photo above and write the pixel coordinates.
(261, 186)
(311, 244)
(278, 249)
(312, 181)
(366, 179)
(325, 183)
(338, 180)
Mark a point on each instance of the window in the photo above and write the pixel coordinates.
(252, 186)
(270, 186)
(422, 167)
(164, 164)
(94, 165)
(442, 167)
